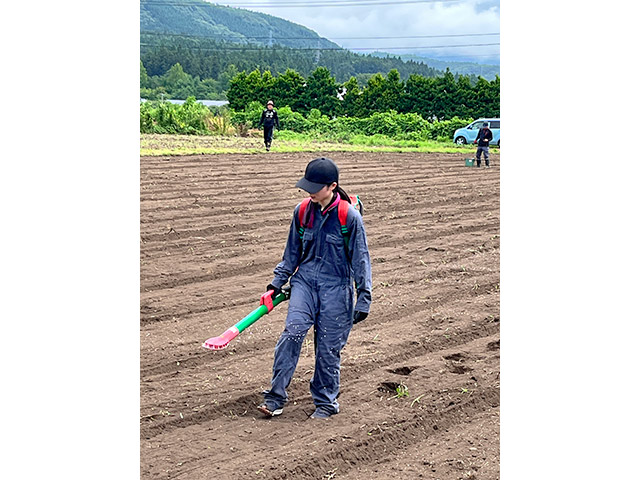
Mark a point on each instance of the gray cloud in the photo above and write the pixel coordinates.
(415, 19)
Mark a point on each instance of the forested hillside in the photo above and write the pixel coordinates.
(212, 43)
(209, 59)
(203, 19)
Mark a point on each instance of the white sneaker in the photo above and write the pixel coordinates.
(268, 412)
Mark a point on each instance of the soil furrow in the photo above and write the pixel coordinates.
(406, 351)
(377, 448)
(213, 227)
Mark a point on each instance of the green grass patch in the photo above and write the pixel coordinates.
(288, 142)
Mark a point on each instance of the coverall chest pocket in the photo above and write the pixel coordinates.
(334, 253)
(334, 240)
(307, 241)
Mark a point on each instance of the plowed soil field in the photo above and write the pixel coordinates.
(420, 380)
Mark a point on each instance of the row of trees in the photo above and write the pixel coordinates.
(441, 97)
(438, 98)
(178, 84)
(432, 98)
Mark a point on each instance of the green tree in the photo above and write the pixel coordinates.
(372, 95)
(238, 93)
(224, 79)
(144, 77)
(255, 87)
(420, 95)
(445, 96)
(321, 92)
(392, 92)
(177, 80)
(288, 89)
(244, 89)
(493, 106)
(266, 89)
(465, 98)
(351, 98)
(487, 96)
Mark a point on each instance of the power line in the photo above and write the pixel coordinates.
(186, 35)
(378, 49)
(311, 2)
(417, 36)
(347, 3)
(244, 48)
(427, 46)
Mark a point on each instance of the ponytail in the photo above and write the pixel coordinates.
(355, 201)
(342, 193)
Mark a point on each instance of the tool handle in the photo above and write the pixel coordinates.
(263, 309)
(266, 305)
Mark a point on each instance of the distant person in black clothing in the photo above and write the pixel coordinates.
(269, 119)
(483, 139)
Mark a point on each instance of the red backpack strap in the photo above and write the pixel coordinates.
(305, 219)
(303, 209)
(343, 209)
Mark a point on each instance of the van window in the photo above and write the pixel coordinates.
(477, 125)
(494, 124)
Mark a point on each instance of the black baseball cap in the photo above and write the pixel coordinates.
(319, 173)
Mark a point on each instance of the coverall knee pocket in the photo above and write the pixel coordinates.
(299, 316)
(336, 304)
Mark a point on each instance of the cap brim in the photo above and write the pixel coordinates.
(308, 186)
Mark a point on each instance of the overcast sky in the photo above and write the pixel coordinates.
(403, 18)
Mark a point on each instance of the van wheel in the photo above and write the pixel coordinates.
(498, 143)
(461, 141)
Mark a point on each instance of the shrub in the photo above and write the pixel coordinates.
(445, 128)
(164, 117)
(249, 117)
(318, 122)
(290, 120)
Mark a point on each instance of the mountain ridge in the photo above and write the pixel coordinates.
(203, 19)
(485, 70)
(203, 29)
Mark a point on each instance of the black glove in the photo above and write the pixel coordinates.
(276, 290)
(359, 316)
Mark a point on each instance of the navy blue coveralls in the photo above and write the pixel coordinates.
(484, 137)
(322, 295)
(269, 119)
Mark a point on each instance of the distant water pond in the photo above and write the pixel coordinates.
(207, 103)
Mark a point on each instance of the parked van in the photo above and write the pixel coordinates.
(469, 133)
